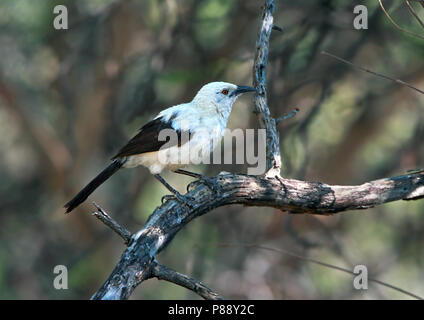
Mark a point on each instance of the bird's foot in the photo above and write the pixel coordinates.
(206, 181)
(185, 200)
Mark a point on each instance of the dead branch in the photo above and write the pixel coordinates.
(289, 195)
(164, 273)
(158, 271)
(111, 223)
(273, 158)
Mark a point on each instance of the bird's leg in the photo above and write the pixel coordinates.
(207, 181)
(175, 193)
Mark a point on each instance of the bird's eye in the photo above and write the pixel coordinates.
(225, 91)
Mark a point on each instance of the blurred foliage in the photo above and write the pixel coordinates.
(70, 98)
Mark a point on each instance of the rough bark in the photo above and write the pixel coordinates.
(289, 195)
(273, 163)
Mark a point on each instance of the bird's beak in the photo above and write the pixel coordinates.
(242, 89)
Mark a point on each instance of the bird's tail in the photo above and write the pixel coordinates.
(93, 185)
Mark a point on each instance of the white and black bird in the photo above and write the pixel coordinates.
(202, 121)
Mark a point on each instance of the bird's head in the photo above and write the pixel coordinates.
(220, 94)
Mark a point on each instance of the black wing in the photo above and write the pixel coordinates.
(147, 140)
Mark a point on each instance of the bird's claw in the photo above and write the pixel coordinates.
(167, 197)
(209, 183)
(192, 185)
(186, 200)
(206, 181)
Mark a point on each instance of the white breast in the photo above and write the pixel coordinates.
(206, 125)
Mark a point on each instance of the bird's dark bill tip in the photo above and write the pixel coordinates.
(68, 208)
(243, 89)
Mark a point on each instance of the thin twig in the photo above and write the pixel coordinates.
(421, 2)
(277, 28)
(396, 25)
(287, 116)
(418, 170)
(414, 13)
(273, 157)
(373, 72)
(111, 223)
(164, 273)
(324, 264)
